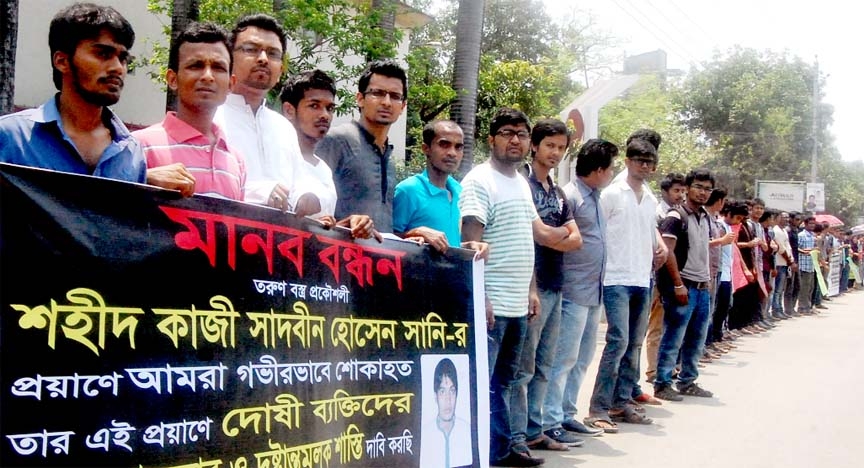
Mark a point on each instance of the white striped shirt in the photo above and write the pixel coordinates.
(505, 207)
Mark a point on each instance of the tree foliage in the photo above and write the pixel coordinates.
(650, 104)
(756, 110)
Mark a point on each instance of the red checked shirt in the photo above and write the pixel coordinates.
(219, 170)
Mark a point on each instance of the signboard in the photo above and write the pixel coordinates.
(781, 195)
(140, 329)
(815, 198)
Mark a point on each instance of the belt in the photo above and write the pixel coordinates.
(695, 284)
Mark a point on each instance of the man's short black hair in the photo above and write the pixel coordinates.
(757, 201)
(716, 195)
(445, 367)
(768, 214)
(809, 218)
(638, 147)
(429, 131)
(296, 86)
(388, 68)
(199, 33)
(735, 207)
(548, 127)
(645, 134)
(672, 178)
(593, 155)
(508, 116)
(260, 21)
(699, 174)
(80, 22)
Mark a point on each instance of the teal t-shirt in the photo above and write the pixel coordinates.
(417, 202)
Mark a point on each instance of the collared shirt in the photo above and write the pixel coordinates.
(268, 143)
(630, 234)
(793, 241)
(418, 202)
(783, 246)
(583, 268)
(696, 267)
(503, 205)
(759, 233)
(365, 176)
(554, 211)
(716, 231)
(806, 240)
(36, 138)
(218, 170)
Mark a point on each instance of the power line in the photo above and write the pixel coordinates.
(691, 58)
(674, 50)
(694, 23)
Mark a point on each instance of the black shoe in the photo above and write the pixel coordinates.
(517, 459)
(694, 390)
(665, 392)
(560, 435)
(576, 426)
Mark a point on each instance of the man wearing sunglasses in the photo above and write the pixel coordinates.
(359, 153)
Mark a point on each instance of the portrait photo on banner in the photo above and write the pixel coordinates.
(445, 440)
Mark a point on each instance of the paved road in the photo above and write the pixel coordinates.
(788, 398)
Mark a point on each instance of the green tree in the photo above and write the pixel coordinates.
(651, 104)
(756, 108)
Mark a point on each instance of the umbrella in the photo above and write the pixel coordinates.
(859, 229)
(830, 219)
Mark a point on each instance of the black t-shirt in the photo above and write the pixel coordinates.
(553, 209)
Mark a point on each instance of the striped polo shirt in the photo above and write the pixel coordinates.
(219, 170)
(505, 207)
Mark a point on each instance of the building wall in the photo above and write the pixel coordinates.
(142, 102)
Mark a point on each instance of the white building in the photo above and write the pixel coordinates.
(143, 100)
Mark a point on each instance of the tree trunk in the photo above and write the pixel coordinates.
(183, 13)
(9, 36)
(466, 70)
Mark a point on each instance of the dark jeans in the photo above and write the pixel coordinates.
(721, 311)
(793, 286)
(779, 289)
(684, 329)
(618, 372)
(505, 347)
(744, 301)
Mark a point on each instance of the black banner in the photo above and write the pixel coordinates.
(143, 329)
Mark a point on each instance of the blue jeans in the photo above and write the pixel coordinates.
(575, 350)
(505, 346)
(538, 350)
(684, 329)
(779, 289)
(618, 373)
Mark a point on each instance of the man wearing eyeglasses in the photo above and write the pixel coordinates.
(264, 137)
(683, 284)
(497, 208)
(359, 153)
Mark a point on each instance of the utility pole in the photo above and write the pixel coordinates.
(813, 170)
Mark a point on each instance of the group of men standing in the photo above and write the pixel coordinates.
(556, 257)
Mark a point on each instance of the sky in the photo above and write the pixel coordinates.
(690, 31)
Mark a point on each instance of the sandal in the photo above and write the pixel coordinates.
(636, 406)
(603, 424)
(545, 442)
(629, 416)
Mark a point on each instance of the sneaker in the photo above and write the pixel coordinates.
(820, 306)
(665, 392)
(578, 428)
(694, 390)
(517, 459)
(560, 435)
